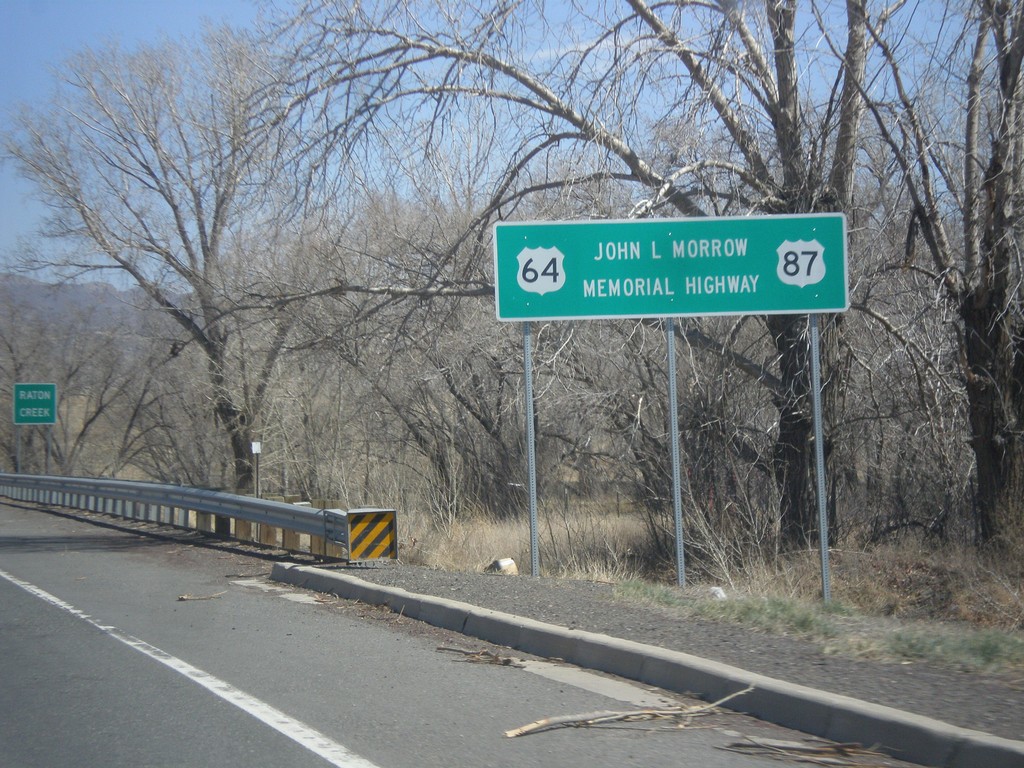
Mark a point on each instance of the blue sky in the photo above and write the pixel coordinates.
(37, 35)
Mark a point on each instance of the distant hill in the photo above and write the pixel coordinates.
(94, 303)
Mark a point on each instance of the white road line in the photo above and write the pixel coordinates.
(334, 753)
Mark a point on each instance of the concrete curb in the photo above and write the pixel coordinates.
(839, 718)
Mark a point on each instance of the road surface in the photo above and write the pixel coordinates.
(124, 649)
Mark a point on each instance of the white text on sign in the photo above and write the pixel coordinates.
(703, 248)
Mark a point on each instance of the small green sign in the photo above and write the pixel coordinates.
(35, 403)
(671, 267)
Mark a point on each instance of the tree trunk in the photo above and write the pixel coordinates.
(241, 453)
(995, 389)
(792, 463)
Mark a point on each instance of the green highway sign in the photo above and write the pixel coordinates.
(746, 265)
(35, 404)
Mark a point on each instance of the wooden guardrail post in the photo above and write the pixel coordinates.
(244, 530)
(268, 535)
(319, 546)
(290, 540)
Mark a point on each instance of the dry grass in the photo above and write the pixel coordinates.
(580, 544)
(465, 544)
(948, 583)
(909, 581)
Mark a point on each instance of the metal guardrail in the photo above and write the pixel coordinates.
(173, 505)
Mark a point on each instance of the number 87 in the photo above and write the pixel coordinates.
(791, 262)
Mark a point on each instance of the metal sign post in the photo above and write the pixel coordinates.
(257, 449)
(819, 458)
(531, 450)
(673, 430)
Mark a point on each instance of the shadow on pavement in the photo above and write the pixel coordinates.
(87, 542)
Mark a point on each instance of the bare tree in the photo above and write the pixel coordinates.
(391, 312)
(965, 193)
(76, 338)
(162, 166)
(602, 93)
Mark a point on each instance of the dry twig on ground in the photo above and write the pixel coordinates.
(483, 657)
(813, 751)
(187, 596)
(679, 716)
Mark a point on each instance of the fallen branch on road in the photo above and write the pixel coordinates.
(483, 657)
(187, 596)
(814, 751)
(680, 715)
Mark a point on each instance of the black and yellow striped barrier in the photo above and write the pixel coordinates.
(372, 534)
(366, 533)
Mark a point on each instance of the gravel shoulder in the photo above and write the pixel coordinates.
(991, 703)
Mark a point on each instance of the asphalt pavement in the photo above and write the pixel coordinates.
(911, 737)
(134, 648)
